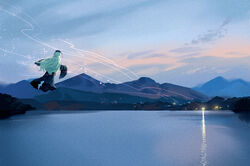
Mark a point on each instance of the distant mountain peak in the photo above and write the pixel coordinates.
(146, 80)
(219, 78)
(239, 81)
(79, 78)
(218, 81)
(22, 82)
(220, 86)
(84, 75)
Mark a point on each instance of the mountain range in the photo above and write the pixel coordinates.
(220, 86)
(85, 88)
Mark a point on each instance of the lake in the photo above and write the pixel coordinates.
(125, 138)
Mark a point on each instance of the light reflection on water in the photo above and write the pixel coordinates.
(203, 157)
(125, 138)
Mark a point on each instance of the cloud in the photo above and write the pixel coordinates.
(226, 21)
(211, 35)
(148, 70)
(94, 22)
(200, 69)
(186, 49)
(229, 48)
(145, 55)
(155, 55)
(175, 66)
(235, 53)
(139, 54)
(60, 18)
(194, 47)
(194, 70)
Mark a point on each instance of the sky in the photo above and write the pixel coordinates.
(180, 42)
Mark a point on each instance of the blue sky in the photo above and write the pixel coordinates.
(181, 42)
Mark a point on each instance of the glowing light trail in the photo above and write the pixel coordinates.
(82, 52)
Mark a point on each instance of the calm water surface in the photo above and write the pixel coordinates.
(132, 138)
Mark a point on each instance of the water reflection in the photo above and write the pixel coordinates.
(244, 117)
(203, 157)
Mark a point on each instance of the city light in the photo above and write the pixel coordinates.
(216, 107)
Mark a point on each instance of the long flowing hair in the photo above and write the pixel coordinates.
(51, 65)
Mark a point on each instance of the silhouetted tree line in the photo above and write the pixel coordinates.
(11, 106)
(242, 105)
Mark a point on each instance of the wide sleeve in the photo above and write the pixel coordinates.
(63, 70)
(39, 62)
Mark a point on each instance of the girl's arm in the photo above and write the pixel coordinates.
(38, 62)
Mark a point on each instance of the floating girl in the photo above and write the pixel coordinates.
(50, 66)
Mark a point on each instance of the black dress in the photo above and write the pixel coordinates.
(46, 82)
